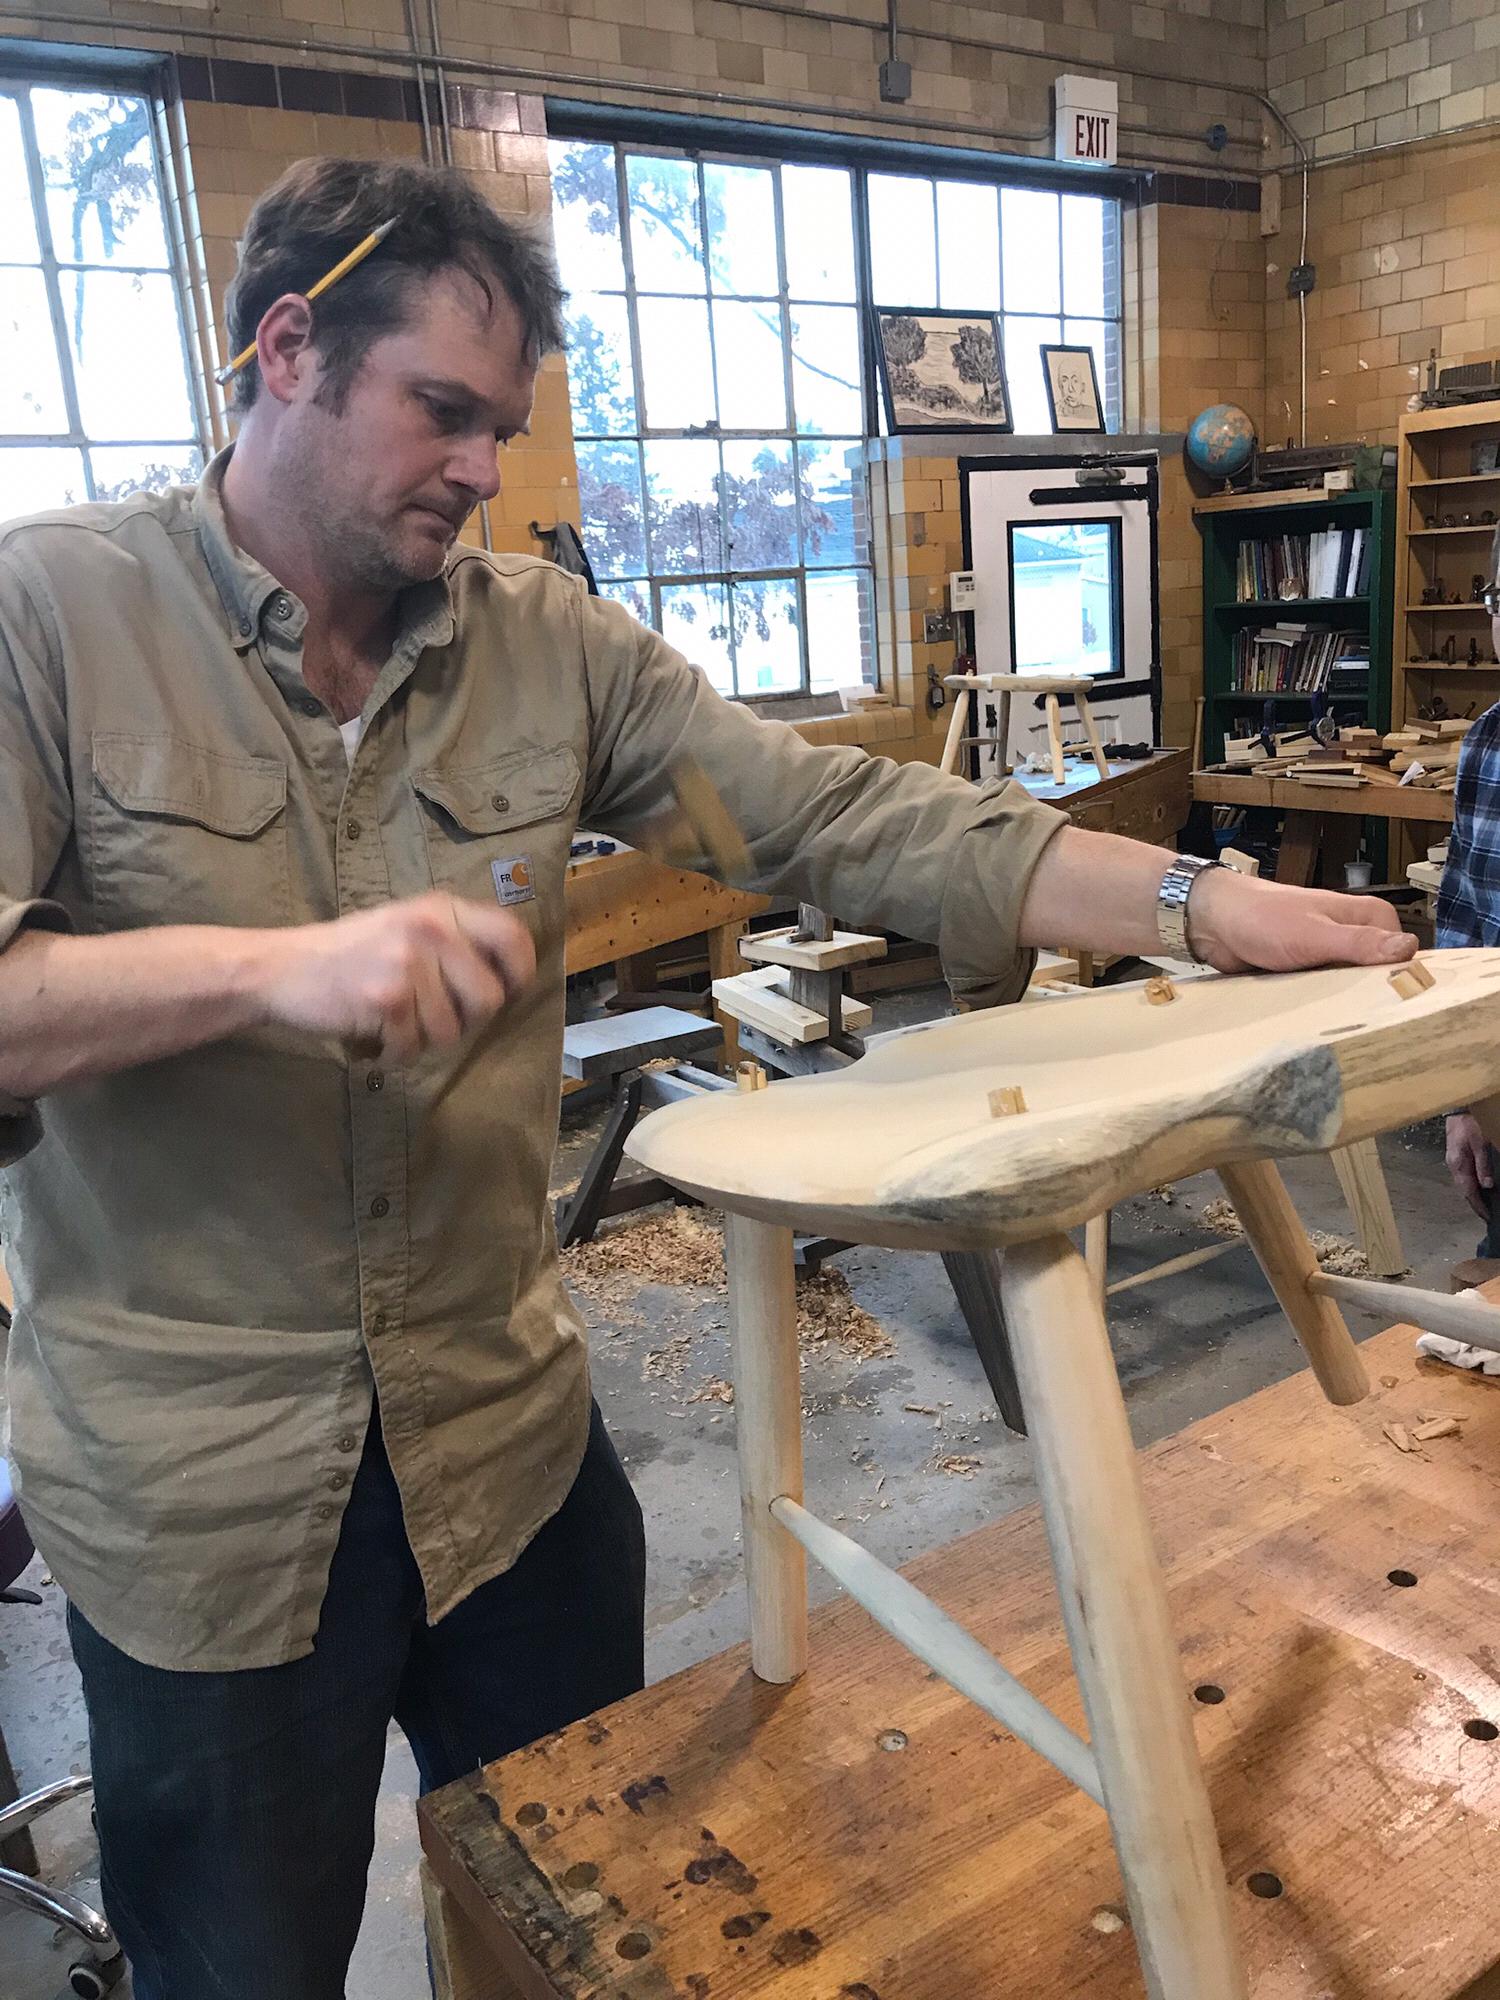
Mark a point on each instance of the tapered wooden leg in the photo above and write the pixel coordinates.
(1091, 729)
(1288, 1260)
(768, 1424)
(1115, 1609)
(1055, 739)
(953, 741)
(723, 962)
(1362, 1178)
(1096, 1252)
(1003, 749)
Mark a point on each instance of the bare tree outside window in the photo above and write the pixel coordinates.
(95, 401)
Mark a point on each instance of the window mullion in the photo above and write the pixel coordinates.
(31, 152)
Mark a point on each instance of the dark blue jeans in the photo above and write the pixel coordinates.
(236, 1811)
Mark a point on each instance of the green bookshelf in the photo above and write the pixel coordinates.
(1226, 523)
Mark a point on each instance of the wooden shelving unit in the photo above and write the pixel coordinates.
(1443, 542)
(1227, 521)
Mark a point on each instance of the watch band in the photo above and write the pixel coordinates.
(1172, 903)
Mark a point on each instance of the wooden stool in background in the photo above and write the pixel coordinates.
(1049, 687)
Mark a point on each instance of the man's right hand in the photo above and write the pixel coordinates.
(409, 976)
(1468, 1156)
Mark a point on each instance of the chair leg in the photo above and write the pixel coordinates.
(59, 1906)
(1289, 1260)
(768, 1424)
(1096, 747)
(1096, 1253)
(1115, 1610)
(1055, 739)
(1363, 1181)
(952, 755)
(975, 1278)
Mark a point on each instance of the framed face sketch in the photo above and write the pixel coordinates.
(1072, 388)
(942, 371)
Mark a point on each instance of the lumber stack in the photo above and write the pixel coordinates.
(1420, 753)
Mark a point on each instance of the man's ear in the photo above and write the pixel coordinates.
(283, 348)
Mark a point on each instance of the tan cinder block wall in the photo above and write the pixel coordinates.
(980, 76)
(1365, 73)
(1202, 313)
(1407, 246)
(234, 151)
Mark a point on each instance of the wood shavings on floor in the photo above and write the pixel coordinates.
(685, 1247)
(1334, 1253)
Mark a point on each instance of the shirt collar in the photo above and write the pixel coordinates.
(425, 610)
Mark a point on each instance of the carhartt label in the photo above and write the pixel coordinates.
(513, 879)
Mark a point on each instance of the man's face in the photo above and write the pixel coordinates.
(386, 481)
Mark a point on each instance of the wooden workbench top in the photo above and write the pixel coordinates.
(866, 1834)
(1372, 801)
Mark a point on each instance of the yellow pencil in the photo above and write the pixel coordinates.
(345, 264)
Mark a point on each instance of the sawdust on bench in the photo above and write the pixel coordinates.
(685, 1247)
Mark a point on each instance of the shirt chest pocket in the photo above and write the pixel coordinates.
(183, 835)
(500, 832)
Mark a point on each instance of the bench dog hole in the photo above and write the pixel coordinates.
(582, 1875)
(634, 1944)
(1264, 1884)
(1209, 1693)
(1481, 1731)
(1403, 1579)
(530, 1815)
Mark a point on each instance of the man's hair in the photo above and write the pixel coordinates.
(320, 209)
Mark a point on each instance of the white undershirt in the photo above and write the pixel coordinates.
(351, 732)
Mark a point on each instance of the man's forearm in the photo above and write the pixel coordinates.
(73, 1008)
(1095, 889)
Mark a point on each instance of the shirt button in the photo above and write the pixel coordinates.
(377, 1323)
(379, 1207)
(375, 1080)
(352, 829)
(246, 628)
(348, 1441)
(500, 802)
(281, 607)
(310, 707)
(337, 1481)
(324, 1511)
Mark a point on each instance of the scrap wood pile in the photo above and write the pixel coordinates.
(1424, 754)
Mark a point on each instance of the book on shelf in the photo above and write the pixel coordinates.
(1299, 659)
(1334, 562)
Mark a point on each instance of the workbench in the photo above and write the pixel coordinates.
(1322, 820)
(867, 1834)
(1148, 799)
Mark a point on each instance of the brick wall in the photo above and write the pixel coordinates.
(1407, 248)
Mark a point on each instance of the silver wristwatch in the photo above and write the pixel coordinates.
(1172, 902)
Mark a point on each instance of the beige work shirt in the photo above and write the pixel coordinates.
(218, 1257)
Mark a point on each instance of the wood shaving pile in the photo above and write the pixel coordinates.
(957, 1464)
(685, 1246)
(1334, 1253)
(826, 1311)
(714, 1390)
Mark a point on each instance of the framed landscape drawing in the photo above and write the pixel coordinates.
(1072, 388)
(942, 371)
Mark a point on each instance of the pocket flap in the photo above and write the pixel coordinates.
(174, 780)
(515, 789)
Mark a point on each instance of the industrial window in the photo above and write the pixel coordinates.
(94, 395)
(719, 371)
(1048, 263)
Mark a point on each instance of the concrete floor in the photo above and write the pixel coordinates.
(1187, 1347)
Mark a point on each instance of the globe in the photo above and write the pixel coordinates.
(1221, 440)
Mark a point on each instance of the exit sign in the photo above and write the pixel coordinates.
(1088, 120)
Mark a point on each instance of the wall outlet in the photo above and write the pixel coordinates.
(936, 626)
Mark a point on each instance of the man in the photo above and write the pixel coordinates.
(1469, 914)
(300, 1408)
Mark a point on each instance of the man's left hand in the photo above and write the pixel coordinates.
(1238, 923)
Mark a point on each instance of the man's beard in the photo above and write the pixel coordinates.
(369, 558)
